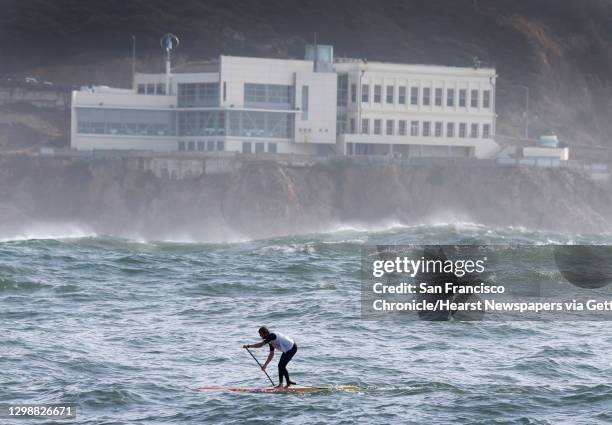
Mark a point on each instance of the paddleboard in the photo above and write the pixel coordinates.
(298, 389)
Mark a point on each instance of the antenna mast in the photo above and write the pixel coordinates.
(167, 43)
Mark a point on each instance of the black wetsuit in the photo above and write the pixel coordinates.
(284, 360)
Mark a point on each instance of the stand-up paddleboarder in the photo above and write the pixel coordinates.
(277, 341)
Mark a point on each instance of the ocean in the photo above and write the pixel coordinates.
(128, 329)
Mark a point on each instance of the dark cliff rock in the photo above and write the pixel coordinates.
(264, 200)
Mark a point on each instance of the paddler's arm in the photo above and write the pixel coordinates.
(257, 345)
(268, 360)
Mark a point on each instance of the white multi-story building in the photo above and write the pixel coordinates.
(315, 106)
(248, 105)
(415, 110)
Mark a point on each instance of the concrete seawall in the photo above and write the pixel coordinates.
(188, 165)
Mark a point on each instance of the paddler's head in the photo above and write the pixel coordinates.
(263, 332)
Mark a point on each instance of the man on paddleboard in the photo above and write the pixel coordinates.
(277, 341)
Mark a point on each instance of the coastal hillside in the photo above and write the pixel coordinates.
(560, 50)
(116, 197)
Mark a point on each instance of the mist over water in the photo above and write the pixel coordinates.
(56, 231)
(128, 328)
(115, 197)
(67, 230)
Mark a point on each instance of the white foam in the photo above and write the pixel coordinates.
(220, 236)
(45, 231)
(293, 248)
(358, 227)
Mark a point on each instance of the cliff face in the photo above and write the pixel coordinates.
(263, 200)
(561, 50)
(25, 127)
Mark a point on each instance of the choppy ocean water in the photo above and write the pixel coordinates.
(127, 330)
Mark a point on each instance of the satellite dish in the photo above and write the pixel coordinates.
(168, 42)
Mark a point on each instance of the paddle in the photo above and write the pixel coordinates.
(260, 366)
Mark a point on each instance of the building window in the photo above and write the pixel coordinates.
(342, 90)
(390, 127)
(474, 131)
(190, 146)
(401, 98)
(414, 128)
(462, 130)
(187, 95)
(352, 128)
(246, 147)
(377, 93)
(277, 95)
(486, 131)
(161, 89)
(365, 126)
(390, 90)
(220, 145)
(349, 148)
(304, 103)
(201, 146)
(486, 99)
(353, 93)
(181, 146)
(272, 148)
(450, 129)
(438, 97)
(125, 121)
(474, 99)
(340, 124)
(401, 128)
(362, 149)
(201, 123)
(365, 93)
(426, 96)
(462, 98)
(450, 98)
(438, 129)
(198, 94)
(224, 91)
(142, 89)
(150, 88)
(279, 125)
(259, 147)
(414, 95)
(210, 146)
(255, 93)
(106, 127)
(377, 126)
(426, 128)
